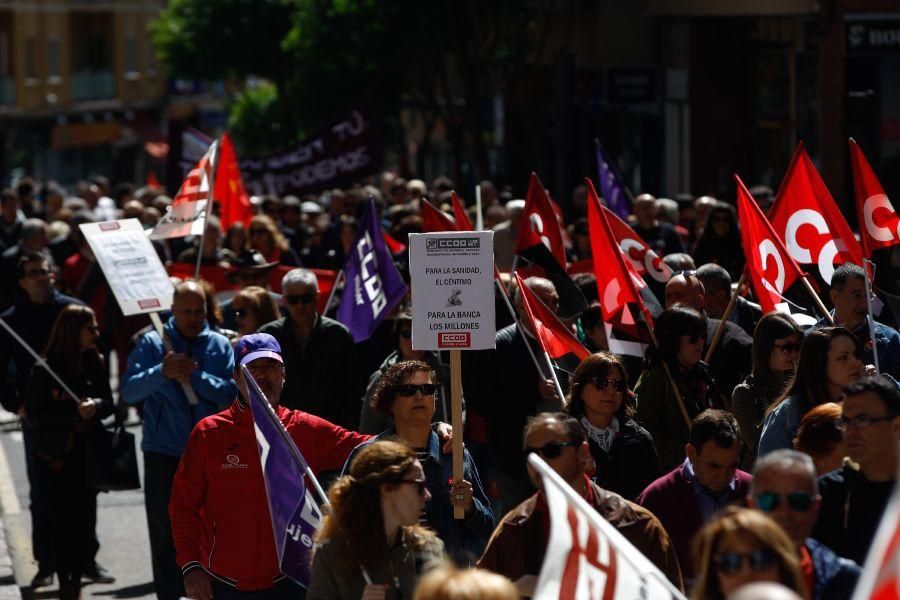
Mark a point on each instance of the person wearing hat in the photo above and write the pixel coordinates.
(250, 268)
(220, 515)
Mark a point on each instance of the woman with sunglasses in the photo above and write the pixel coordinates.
(623, 451)
(371, 542)
(265, 237)
(829, 361)
(406, 392)
(681, 334)
(373, 421)
(253, 307)
(62, 426)
(741, 546)
(720, 242)
(776, 344)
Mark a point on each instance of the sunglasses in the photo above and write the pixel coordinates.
(601, 384)
(798, 501)
(410, 389)
(730, 563)
(553, 449)
(406, 334)
(860, 422)
(307, 298)
(419, 483)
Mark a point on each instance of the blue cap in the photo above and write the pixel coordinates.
(257, 345)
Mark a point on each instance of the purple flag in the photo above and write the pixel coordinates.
(374, 285)
(611, 189)
(295, 516)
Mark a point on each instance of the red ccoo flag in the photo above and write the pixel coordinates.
(879, 226)
(435, 220)
(539, 224)
(806, 217)
(229, 192)
(640, 256)
(459, 213)
(556, 339)
(760, 244)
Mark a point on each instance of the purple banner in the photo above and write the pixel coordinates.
(373, 283)
(611, 189)
(295, 516)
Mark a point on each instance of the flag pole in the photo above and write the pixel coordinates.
(866, 264)
(39, 360)
(206, 212)
(678, 398)
(512, 270)
(479, 219)
(289, 442)
(338, 278)
(720, 330)
(562, 397)
(456, 423)
(519, 327)
(816, 299)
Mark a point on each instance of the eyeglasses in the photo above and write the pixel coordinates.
(552, 449)
(788, 348)
(798, 501)
(42, 272)
(410, 389)
(601, 384)
(406, 334)
(307, 298)
(419, 483)
(860, 422)
(730, 563)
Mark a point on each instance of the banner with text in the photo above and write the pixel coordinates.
(452, 290)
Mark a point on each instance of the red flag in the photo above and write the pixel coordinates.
(540, 224)
(152, 181)
(640, 256)
(187, 214)
(879, 226)
(617, 285)
(761, 243)
(459, 213)
(434, 220)
(229, 192)
(394, 245)
(556, 339)
(806, 217)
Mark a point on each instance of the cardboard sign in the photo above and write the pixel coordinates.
(452, 290)
(129, 262)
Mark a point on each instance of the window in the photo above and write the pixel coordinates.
(53, 70)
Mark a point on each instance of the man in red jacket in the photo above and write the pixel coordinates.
(219, 511)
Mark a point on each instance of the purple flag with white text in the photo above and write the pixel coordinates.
(373, 283)
(295, 515)
(612, 190)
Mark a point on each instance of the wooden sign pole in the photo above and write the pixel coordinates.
(457, 424)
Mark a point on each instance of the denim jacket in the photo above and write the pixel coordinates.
(463, 539)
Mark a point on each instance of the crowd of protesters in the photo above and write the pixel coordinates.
(772, 463)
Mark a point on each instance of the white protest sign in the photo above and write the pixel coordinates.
(452, 290)
(130, 264)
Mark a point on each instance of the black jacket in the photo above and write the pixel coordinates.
(730, 363)
(323, 378)
(33, 322)
(631, 464)
(851, 511)
(54, 414)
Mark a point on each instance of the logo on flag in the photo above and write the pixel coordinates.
(374, 286)
(187, 214)
(879, 225)
(295, 516)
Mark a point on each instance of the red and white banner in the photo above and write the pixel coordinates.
(644, 260)
(587, 558)
(187, 214)
(879, 226)
(806, 217)
(539, 223)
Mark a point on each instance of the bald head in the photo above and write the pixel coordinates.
(764, 590)
(645, 210)
(685, 289)
(545, 290)
(189, 309)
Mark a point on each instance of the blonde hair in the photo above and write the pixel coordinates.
(260, 304)
(450, 583)
(278, 240)
(750, 523)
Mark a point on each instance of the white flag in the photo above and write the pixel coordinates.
(587, 558)
(187, 215)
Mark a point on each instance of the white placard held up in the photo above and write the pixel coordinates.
(131, 266)
(452, 290)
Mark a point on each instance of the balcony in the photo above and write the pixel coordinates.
(7, 90)
(92, 85)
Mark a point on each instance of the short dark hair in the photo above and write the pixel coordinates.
(713, 425)
(714, 277)
(385, 391)
(26, 258)
(572, 426)
(845, 273)
(882, 386)
(670, 325)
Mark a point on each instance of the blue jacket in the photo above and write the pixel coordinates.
(465, 539)
(168, 417)
(780, 427)
(834, 578)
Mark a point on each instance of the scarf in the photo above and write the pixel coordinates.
(601, 437)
